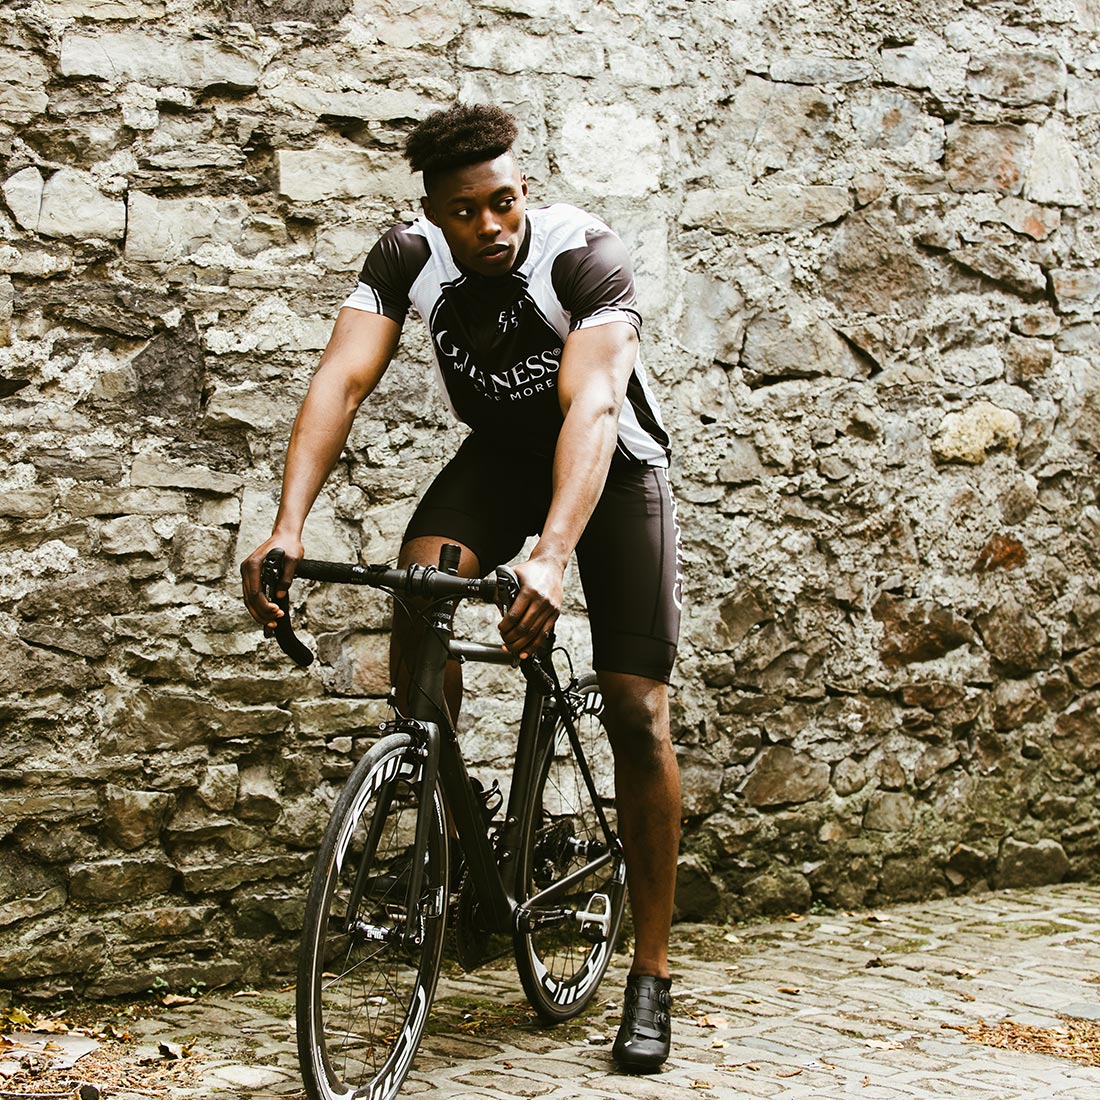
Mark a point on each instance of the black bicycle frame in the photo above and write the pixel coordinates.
(493, 869)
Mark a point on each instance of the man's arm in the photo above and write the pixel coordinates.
(596, 365)
(357, 355)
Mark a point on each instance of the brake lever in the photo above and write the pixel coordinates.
(271, 573)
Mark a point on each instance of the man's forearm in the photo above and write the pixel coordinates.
(320, 431)
(584, 451)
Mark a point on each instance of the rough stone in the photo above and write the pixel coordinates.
(1018, 78)
(201, 552)
(1001, 552)
(133, 818)
(987, 158)
(767, 209)
(1075, 733)
(23, 77)
(782, 776)
(1054, 176)
(1021, 864)
(780, 891)
(23, 194)
(151, 470)
(779, 345)
(588, 132)
(130, 535)
(330, 171)
(700, 780)
(849, 776)
(257, 796)
(1085, 668)
(120, 879)
(196, 63)
(73, 206)
(1014, 637)
(871, 268)
(890, 812)
(1026, 359)
(914, 631)
(164, 230)
(969, 436)
(218, 788)
(1002, 267)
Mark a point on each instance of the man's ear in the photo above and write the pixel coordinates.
(523, 184)
(426, 206)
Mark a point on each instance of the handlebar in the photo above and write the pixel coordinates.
(420, 581)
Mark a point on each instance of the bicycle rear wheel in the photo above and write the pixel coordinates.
(564, 950)
(364, 986)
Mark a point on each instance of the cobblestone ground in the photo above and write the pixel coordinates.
(863, 1005)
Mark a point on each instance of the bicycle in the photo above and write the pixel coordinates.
(551, 873)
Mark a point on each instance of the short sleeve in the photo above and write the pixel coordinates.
(595, 283)
(388, 273)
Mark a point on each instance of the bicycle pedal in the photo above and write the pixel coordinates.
(596, 919)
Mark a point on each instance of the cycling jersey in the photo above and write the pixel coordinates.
(498, 339)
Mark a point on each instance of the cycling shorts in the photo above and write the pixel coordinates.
(628, 556)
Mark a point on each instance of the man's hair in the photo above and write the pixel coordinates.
(467, 133)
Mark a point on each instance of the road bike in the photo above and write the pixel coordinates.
(412, 843)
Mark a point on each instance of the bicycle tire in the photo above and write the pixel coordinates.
(360, 1021)
(560, 967)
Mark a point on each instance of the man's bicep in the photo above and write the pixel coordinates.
(597, 363)
(360, 348)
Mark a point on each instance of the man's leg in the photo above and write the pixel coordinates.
(647, 779)
(405, 640)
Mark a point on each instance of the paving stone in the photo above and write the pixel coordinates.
(889, 1032)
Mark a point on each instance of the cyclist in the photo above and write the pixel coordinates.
(535, 329)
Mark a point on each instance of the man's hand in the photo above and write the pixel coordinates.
(535, 610)
(259, 606)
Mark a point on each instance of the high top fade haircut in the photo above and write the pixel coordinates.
(467, 133)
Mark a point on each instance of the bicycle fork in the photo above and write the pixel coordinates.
(408, 933)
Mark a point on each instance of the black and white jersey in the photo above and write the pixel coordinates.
(498, 339)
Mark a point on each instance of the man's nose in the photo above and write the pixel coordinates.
(488, 224)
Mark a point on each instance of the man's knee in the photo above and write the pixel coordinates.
(636, 715)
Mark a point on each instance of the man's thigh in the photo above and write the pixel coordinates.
(483, 501)
(629, 559)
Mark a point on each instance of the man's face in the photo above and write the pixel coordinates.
(480, 209)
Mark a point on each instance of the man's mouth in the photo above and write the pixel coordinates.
(494, 252)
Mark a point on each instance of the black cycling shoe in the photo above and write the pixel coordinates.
(645, 1035)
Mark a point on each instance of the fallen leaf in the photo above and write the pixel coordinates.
(788, 1073)
(791, 989)
(52, 1025)
(18, 1017)
(712, 1021)
(718, 1044)
(173, 1000)
(796, 917)
(170, 1050)
(253, 992)
(877, 918)
(866, 1081)
(874, 963)
(967, 997)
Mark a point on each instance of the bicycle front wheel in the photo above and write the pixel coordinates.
(367, 972)
(564, 946)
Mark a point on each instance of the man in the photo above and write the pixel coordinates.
(534, 326)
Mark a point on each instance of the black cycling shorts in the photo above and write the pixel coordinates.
(628, 556)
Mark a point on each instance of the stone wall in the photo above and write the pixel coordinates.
(867, 239)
